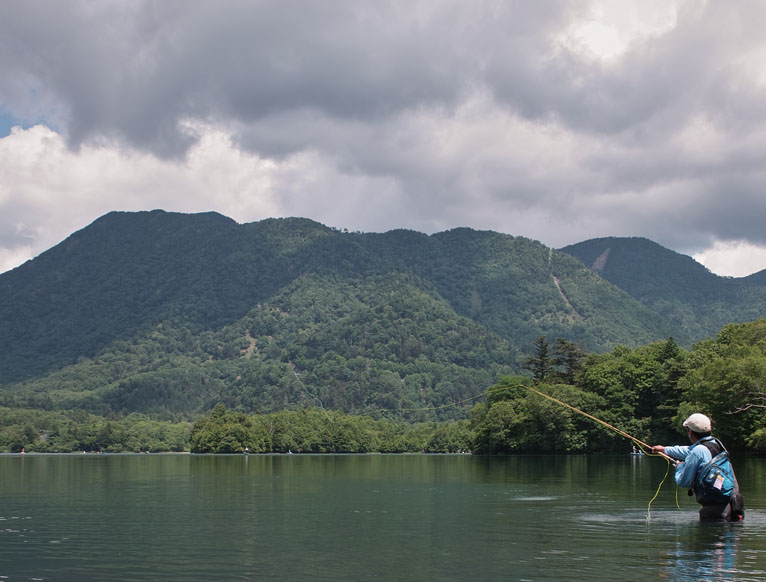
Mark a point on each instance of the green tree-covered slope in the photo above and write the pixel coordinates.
(126, 272)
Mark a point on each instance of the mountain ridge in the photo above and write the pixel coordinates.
(168, 312)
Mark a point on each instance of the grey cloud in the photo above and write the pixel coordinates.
(132, 70)
(733, 208)
(15, 226)
(347, 80)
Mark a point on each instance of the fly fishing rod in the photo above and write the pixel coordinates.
(601, 422)
(622, 433)
(640, 443)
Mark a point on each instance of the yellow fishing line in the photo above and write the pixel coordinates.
(444, 405)
(656, 494)
(642, 445)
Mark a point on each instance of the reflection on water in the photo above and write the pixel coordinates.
(705, 552)
(718, 552)
(369, 517)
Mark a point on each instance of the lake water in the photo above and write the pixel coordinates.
(366, 517)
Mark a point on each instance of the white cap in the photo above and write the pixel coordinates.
(698, 423)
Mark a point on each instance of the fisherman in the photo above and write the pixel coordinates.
(692, 464)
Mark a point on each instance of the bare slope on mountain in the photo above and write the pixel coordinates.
(509, 284)
(684, 292)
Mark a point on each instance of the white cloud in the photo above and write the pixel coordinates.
(11, 258)
(607, 28)
(733, 258)
(47, 191)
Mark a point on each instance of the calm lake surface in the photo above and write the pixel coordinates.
(366, 517)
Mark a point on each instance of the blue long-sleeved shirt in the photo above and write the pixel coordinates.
(692, 458)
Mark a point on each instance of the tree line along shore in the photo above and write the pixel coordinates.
(644, 391)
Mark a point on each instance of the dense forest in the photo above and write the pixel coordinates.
(167, 315)
(645, 391)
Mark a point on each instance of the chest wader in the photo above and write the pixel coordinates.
(733, 508)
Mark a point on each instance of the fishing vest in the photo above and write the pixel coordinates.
(715, 481)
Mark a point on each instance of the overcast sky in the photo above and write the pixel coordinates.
(557, 121)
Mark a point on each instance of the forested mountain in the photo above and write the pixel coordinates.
(685, 293)
(169, 314)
